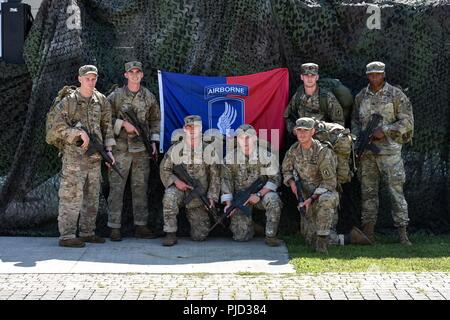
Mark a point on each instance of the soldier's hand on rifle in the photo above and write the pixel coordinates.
(212, 203)
(227, 205)
(306, 204)
(129, 128)
(84, 136)
(254, 199)
(109, 152)
(181, 185)
(378, 134)
(293, 187)
(154, 150)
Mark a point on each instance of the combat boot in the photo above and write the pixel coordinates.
(404, 236)
(93, 239)
(358, 237)
(144, 233)
(170, 239)
(115, 234)
(322, 244)
(368, 230)
(272, 241)
(72, 243)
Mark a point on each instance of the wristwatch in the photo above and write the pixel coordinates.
(259, 194)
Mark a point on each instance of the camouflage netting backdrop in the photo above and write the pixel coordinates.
(226, 37)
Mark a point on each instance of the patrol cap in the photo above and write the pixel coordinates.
(246, 129)
(305, 123)
(375, 67)
(133, 64)
(86, 69)
(193, 120)
(310, 68)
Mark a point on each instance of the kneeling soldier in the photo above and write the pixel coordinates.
(315, 165)
(243, 167)
(177, 191)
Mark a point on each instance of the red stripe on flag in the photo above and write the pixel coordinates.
(267, 99)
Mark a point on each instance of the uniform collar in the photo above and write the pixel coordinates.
(316, 92)
(129, 93)
(93, 98)
(251, 157)
(384, 90)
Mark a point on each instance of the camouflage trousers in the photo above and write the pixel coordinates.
(242, 226)
(137, 166)
(195, 212)
(390, 168)
(78, 197)
(321, 218)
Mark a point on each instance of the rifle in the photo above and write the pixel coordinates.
(239, 198)
(144, 133)
(198, 190)
(300, 198)
(96, 146)
(364, 141)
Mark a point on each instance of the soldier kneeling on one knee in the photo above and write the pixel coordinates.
(243, 166)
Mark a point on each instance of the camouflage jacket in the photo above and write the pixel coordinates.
(395, 108)
(302, 105)
(315, 167)
(94, 113)
(192, 159)
(145, 106)
(240, 171)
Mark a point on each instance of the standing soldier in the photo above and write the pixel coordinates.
(80, 177)
(189, 153)
(242, 168)
(310, 101)
(131, 155)
(397, 127)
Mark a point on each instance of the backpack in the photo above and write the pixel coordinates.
(341, 141)
(342, 93)
(50, 138)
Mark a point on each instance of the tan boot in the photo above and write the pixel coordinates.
(322, 244)
(368, 230)
(404, 236)
(170, 239)
(272, 241)
(144, 233)
(358, 237)
(72, 243)
(115, 234)
(93, 239)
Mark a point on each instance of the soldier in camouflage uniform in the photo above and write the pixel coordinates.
(242, 167)
(189, 153)
(131, 155)
(315, 165)
(340, 139)
(80, 176)
(398, 122)
(306, 101)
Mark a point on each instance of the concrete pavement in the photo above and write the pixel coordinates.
(215, 255)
